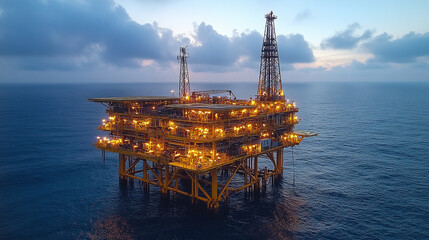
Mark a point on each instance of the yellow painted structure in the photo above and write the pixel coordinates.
(192, 140)
(167, 140)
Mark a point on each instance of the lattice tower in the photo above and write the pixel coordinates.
(270, 83)
(184, 85)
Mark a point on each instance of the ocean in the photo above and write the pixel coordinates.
(365, 176)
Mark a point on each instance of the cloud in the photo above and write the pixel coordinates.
(216, 52)
(406, 49)
(356, 65)
(70, 35)
(301, 16)
(54, 30)
(346, 39)
(213, 49)
(313, 69)
(294, 49)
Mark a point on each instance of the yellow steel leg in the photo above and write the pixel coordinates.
(256, 173)
(145, 174)
(280, 161)
(122, 161)
(213, 174)
(166, 180)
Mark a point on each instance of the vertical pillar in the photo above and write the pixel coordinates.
(166, 179)
(213, 174)
(145, 174)
(256, 173)
(122, 160)
(193, 187)
(245, 174)
(279, 161)
(196, 185)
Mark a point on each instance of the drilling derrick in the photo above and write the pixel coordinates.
(184, 86)
(201, 144)
(270, 83)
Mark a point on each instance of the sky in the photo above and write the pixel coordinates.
(138, 40)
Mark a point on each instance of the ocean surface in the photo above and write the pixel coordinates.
(366, 176)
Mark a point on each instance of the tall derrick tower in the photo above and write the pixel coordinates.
(175, 143)
(270, 83)
(184, 86)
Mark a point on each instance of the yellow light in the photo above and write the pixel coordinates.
(252, 102)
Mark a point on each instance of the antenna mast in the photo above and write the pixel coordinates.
(270, 83)
(184, 85)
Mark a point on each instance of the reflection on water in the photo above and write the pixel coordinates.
(286, 219)
(275, 213)
(110, 228)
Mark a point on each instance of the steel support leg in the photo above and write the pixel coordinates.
(213, 174)
(121, 169)
(255, 165)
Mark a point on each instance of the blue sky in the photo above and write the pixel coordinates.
(137, 41)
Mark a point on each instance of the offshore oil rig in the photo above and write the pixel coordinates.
(201, 145)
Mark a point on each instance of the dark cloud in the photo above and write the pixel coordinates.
(216, 52)
(294, 49)
(346, 39)
(214, 48)
(69, 35)
(406, 49)
(52, 29)
(369, 64)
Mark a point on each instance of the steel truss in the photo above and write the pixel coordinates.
(205, 186)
